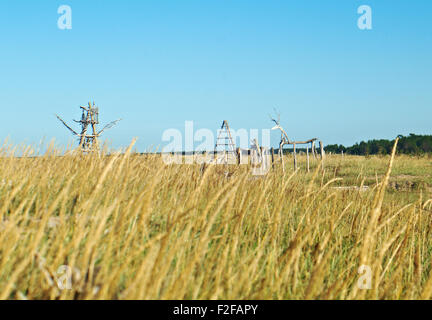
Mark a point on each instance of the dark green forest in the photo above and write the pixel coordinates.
(413, 144)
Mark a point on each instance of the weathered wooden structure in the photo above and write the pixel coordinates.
(89, 136)
(260, 158)
(225, 150)
(286, 141)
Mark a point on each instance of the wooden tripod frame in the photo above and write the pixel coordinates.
(90, 118)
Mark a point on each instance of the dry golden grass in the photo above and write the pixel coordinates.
(131, 227)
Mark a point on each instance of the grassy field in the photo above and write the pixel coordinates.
(128, 226)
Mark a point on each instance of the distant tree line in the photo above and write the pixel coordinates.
(412, 144)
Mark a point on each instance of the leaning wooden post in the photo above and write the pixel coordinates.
(313, 150)
(295, 156)
(239, 156)
(253, 156)
(272, 156)
(281, 156)
(307, 157)
(322, 153)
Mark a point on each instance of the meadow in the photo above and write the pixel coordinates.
(129, 226)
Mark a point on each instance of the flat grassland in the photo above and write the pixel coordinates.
(128, 226)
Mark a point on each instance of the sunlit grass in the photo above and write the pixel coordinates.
(131, 227)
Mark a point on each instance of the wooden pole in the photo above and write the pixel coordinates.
(95, 143)
(295, 156)
(84, 131)
(307, 157)
(322, 153)
(281, 154)
(314, 150)
(272, 157)
(239, 156)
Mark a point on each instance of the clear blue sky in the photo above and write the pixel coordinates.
(158, 63)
